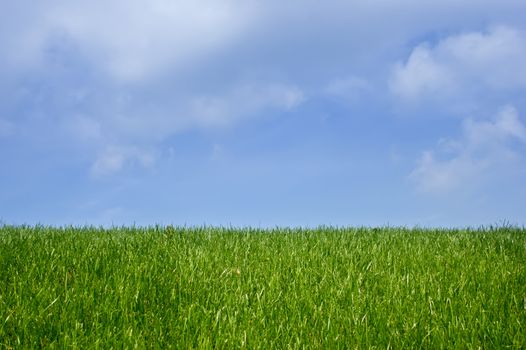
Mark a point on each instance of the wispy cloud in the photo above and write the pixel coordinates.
(110, 135)
(113, 159)
(485, 148)
(242, 102)
(349, 88)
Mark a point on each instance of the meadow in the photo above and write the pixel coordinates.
(164, 287)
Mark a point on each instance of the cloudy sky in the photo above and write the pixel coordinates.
(263, 113)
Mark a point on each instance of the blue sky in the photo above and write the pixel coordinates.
(263, 113)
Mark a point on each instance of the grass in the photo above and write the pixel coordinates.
(163, 287)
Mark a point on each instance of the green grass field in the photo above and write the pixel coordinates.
(247, 288)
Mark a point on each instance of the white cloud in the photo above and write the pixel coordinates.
(137, 38)
(463, 64)
(421, 75)
(485, 134)
(131, 40)
(113, 159)
(486, 147)
(437, 176)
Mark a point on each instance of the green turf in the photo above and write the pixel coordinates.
(246, 288)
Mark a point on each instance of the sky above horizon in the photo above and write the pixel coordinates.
(263, 113)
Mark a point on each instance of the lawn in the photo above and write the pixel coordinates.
(162, 287)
